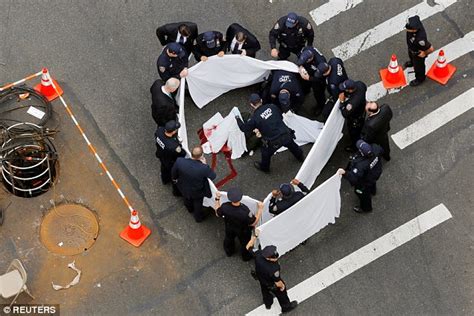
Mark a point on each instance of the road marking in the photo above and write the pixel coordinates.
(331, 9)
(362, 257)
(435, 119)
(453, 51)
(388, 28)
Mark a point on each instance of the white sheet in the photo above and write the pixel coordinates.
(218, 75)
(219, 130)
(304, 219)
(323, 148)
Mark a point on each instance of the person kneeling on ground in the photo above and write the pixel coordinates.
(286, 197)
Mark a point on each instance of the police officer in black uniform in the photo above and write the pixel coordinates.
(209, 44)
(377, 125)
(363, 171)
(267, 270)
(334, 73)
(418, 48)
(172, 62)
(168, 149)
(286, 197)
(308, 61)
(275, 134)
(239, 221)
(293, 32)
(286, 90)
(352, 105)
(184, 33)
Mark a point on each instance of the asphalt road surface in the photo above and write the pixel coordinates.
(105, 52)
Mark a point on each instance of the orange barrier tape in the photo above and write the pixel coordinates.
(8, 86)
(89, 144)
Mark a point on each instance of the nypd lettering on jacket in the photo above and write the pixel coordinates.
(266, 114)
(284, 78)
(160, 143)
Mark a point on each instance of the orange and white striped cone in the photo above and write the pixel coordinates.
(441, 71)
(46, 87)
(393, 76)
(135, 233)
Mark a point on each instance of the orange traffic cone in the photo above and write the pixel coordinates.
(46, 88)
(441, 71)
(393, 76)
(135, 233)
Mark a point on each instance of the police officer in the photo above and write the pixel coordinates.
(334, 73)
(308, 61)
(377, 125)
(293, 32)
(168, 149)
(267, 270)
(286, 90)
(184, 33)
(241, 41)
(418, 48)
(163, 106)
(172, 62)
(363, 171)
(209, 44)
(275, 134)
(286, 197)
(239, 221)
(352, 105)
(191, 176)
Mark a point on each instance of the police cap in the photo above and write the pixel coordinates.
(172, 125)
(270, 252)
(364, 148)
(291, 20)
(176, 48)
(347, 85)
(209, 39)
(234, 195)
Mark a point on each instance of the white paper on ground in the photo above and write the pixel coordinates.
(35, 112)
(304, 219)
(75, 281)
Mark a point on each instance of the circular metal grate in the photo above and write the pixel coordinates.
(69, 229)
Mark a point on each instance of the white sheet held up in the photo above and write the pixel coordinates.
(307, 217)
(218, 75)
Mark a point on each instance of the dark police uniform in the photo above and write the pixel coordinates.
(251, 43)
(168, 33)
(291, 40)
(337, 76)
(356, 115)
(376, 129)
(168, 149)
(282, 79)
(278, 206)
(268, 272)
(201, 49)
(269, 121)
(237, 224)
(191, 177)
(363, 173)
(417, 42)
(170, 66)
(316, 82)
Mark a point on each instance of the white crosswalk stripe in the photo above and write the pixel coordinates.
(331, 9)
(387, 29)
(435, 119)
(453, 51)
(363, 256)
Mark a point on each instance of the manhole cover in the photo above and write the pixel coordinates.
(69, 229)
